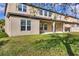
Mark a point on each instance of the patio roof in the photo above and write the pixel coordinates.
(37, 17)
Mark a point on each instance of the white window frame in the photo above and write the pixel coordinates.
(25, 25)
(22, 25)
(43, 25)
(22, 7)
(28, 25)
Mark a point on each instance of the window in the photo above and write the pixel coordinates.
(77, 25)
(28, 25)
(41, 26)
(22, 7)
(23, 25)
(45, 12)
(50, 14)
(41, 12)
(45, 26)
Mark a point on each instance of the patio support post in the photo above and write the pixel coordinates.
(54, 26)
(63, 27)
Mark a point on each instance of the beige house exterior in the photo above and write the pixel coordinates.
(34, 20)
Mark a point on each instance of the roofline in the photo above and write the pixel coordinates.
(30, 4)
(49, 10)
(5, 9)
(38, 18)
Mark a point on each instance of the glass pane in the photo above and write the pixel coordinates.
(45, 13)
(41, 12)
(28, 25)
(23, 28)
(23, 25)
(24, 8)
(45, 26)
(20, 7)
(50, 14)
(28, 22)
(41, 26)
(28, 28)
(23, 22)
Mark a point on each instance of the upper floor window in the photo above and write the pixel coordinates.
(50, 14)
(41, 12)
(45, 12)
(22, 7)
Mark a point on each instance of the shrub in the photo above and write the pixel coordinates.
(3, 34)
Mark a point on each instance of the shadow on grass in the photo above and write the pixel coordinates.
(55, 40)
(3, 42)
(66, 39)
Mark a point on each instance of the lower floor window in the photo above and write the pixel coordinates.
(23, 28)
(25, 25)
(28, 25)
(77, 25)
(45, 26)
(41, 26)
(28, 28)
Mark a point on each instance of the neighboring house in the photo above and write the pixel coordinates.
(27, 19)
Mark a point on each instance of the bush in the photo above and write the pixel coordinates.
(3, 41)
(3, 34)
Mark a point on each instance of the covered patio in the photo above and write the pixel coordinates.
(55, 26)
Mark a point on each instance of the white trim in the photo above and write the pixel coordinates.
(22, 7)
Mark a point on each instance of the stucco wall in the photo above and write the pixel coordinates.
(75, 28)
(13, 7)
(15, 27)
(8, 26)
(59, 26)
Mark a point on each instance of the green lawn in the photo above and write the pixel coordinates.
(41, 45)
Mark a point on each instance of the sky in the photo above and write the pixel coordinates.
(58, 8)
(62, 8)
(2, 7)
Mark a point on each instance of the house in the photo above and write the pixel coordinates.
(27, 19)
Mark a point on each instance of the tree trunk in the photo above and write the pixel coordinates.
(68, 48)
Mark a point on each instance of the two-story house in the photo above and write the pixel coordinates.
(27, 19)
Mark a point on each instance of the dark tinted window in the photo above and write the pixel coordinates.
(28, 25)
(23, 25)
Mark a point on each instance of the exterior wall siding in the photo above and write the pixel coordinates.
(75, 28)
(12, 24)
(8, 26)
(15, 26)
(59, 27)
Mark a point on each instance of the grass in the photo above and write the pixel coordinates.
(38, 45)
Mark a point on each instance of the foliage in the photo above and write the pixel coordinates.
(3, 34)
(50, 45)
(2, 22)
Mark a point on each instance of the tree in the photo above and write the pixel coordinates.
(56, 39)
(2, 23)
